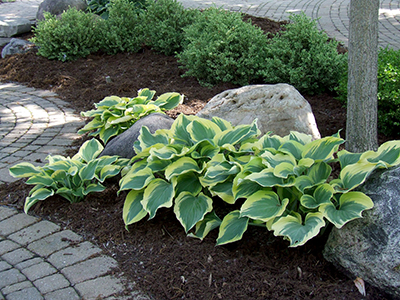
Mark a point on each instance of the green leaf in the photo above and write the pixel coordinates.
(222, 124)
(303, 182)
(157, 194)
(202, 129)
(224, 191)
(169, 101)
(121, 120)
(169, 151)
(319, 172)
(24, 169)
(210, 222)
(266, 178)
(232, 228)
(108, 171)
(179, 129)
(188, 182)
(106, 133)
(242, 188)
(133, 210)
(284, 169)
(37, 195)
(181, 166)
(299, 137)
(88, 172)
(93, 187)
(347, 158)
(268, 141)
(237, 135)
(204, 149)
(190, 209)
(353, 175)
(264, 206)
(292, 147)
(90, 150)
(292, 227)
(43, 179)
(322, 149)
(388, 153)
(92, 125)
(146, 139)
(109, 101)
(351, 206)
(136, 180)
(146, 93)
(322, 195)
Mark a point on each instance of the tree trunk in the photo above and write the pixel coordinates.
(362, 102)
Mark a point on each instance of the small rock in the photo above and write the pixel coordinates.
(279, 108)
(16, 46)
(57, 7)
(369, 248)
(122, 144)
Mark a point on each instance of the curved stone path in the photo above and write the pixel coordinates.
(33, 124)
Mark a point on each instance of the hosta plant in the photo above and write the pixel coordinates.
(71, 178)
(113, 115)
(284, 184)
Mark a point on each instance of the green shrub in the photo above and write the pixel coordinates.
(221, 47)
(101, 7)
(113, 115)
(304, 57)
(283, 184)
(388, 91)
(75, 34)
(122, 31)
(71, 178)
(163, 24)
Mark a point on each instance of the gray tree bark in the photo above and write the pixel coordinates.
(362, 102)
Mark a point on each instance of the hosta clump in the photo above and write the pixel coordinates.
(113, 115)
(184, 167)
(282, 183)
(71, 178)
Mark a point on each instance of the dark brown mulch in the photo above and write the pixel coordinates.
(156, 254)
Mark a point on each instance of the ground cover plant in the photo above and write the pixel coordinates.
(157, 254)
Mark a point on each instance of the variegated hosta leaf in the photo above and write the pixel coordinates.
(263, 206)
(190, 209)
(224, 191)
(90, 150)
(204, 226)
(254, 165)
(275, 159)
(322, 195)
(188, 182)
(133, 210)
(292, 147)
(88, 172)
(24, 169)
(388, 153)
(136, 180)
(351, 206)
(302, 165)
(319, 172)
(156, 164)
(204, 149)
(146, 139)
(37, 195)
(322, 149)
(157, 194)
(169, 101)
(266, 178)
(93, 187)
(222, 124)
(108, 171)
(353, 175)
(267, 141)
(106, 133)
(181, 166)
(169, 151)
(293, 228)
(232, 228)
(202, 129)
(347, 158)
(284, 169)
(179, 130)
(237, 135)
(146, 93)
(242, 188)
(302, 138)
(43, 179)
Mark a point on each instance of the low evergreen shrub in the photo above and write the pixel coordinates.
(304, 57)
(388, 91)
(75, 34)
(221, 47)
(163, 23)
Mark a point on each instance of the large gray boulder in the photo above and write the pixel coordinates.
(122, 144)
(11, 26)
(370, 247)
(57, 7)
(279, 108)
(16, 46)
